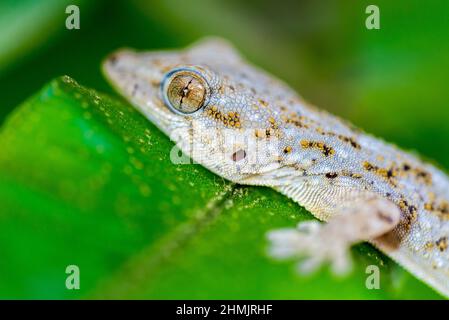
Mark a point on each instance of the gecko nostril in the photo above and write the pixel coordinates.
(239, 155)
(112, 59)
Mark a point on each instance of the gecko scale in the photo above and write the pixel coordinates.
(252, 129)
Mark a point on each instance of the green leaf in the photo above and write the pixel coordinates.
(26, 24)
(86, 180)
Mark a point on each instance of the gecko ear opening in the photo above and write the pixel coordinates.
(184, 90)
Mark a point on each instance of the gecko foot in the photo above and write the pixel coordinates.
(313, 246)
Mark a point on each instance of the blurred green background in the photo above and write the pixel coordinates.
(391, 82)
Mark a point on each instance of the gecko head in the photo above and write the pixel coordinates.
(207, 99)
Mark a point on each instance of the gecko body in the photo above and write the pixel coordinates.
(250, 128)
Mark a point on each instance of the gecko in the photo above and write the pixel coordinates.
(251, 128)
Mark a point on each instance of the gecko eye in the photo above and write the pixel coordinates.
(184, 91)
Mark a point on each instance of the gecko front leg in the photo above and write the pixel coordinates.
(318, 243)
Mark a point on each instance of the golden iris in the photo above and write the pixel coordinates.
(186, 91)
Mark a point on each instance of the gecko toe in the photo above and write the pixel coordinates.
(312, 247)
(309, 227)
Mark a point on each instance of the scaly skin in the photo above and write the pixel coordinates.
(252, 129)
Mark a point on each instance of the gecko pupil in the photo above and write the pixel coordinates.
(186, 92)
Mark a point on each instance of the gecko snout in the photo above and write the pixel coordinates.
(113, 59)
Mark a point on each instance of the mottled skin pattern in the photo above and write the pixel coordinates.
(365, 188)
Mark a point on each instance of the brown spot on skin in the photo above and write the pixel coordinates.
(294, 119)
(239, 155)
(423, 176)
(388, 174)
(351, 174)
(272, 132)
(441, 209)
(410, 214)
(368, 166)
(413, 212)
(263, 103)
(325, 149)
(287, 149)
(441, 243)
(323, 133)
(305, 144)
(259, 133)
(350, 140)
(155, 83)
(407, 208)
(429, 245)
(272, 122)
(331, 175)
(267, 133)
(230, 119)
(420, 174)
(403, 205)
